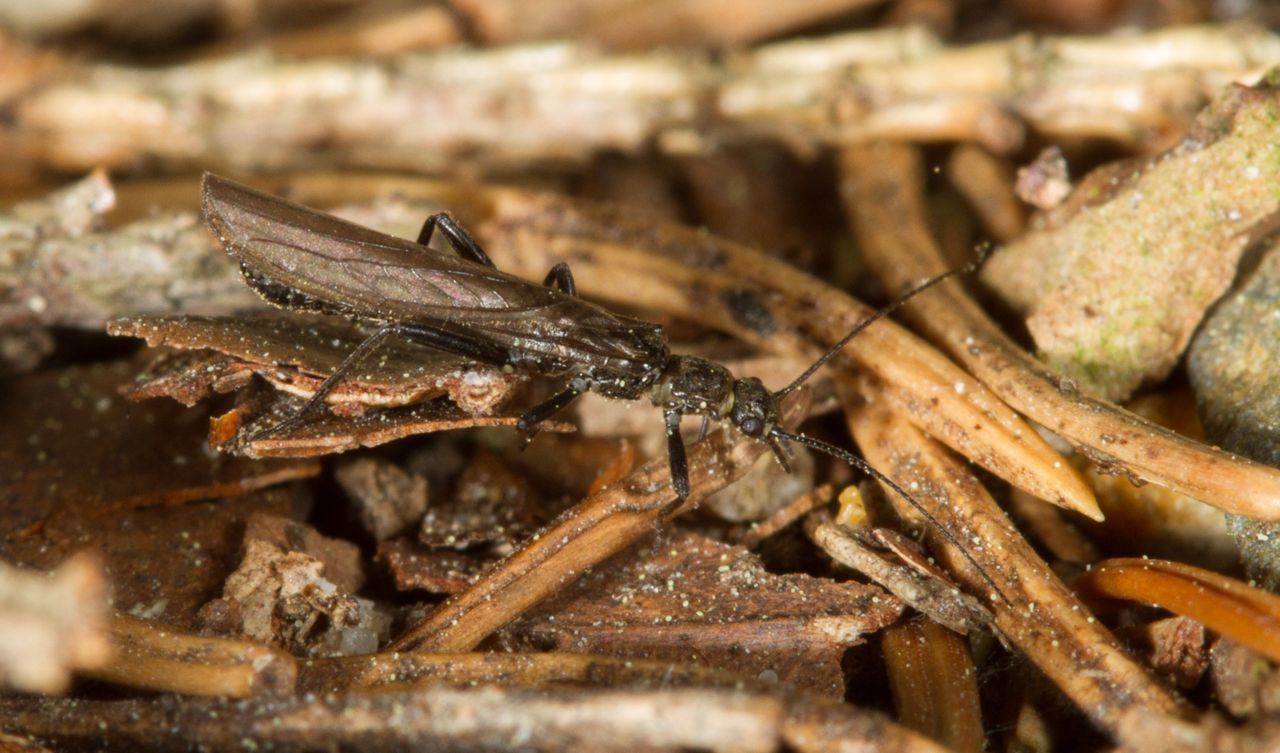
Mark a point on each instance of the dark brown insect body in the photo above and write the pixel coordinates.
(301, 259)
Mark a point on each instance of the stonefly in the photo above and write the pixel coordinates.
(301, 259)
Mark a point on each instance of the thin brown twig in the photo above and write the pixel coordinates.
(883, 195)
(946, 604)
(405, 671)
(155, 657)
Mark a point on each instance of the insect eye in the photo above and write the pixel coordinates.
(751, 426)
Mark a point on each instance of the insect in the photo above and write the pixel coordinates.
(301, 259)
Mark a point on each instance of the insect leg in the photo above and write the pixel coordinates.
(452, 342)
(676, 453)
(460, 239)
(551, 406)
(352, 360)
(562, 276)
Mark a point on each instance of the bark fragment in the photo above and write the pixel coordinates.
(1113, 295)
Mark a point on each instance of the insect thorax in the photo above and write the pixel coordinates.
(690, 384)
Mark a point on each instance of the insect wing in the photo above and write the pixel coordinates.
(292, 253)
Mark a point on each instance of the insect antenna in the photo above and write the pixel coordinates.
(854, 460)
(889, 308)
(867, 468)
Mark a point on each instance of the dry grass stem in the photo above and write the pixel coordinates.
(882, 187)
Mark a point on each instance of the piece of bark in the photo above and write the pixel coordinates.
(58, 269)
(1176, 648)
(341, 560)
(294, 588)
(1113, 295)
(414, 566)
(1232, 366)
(1244, 682)
(296, 352)
(241, 430)
(386, 498)
(52, 624)
(489, 505)
(685, 595)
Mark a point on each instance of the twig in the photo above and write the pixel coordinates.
(400, 672)
(883, 196)
(486, 718)
(433, 718)
(630, 25)
(439, 112)
(942, 601)
(150, 656)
